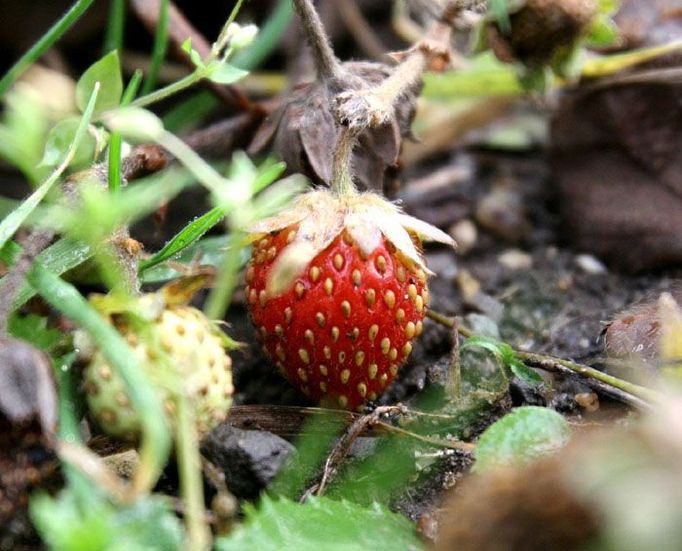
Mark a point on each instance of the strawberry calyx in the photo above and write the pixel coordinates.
(321, 216)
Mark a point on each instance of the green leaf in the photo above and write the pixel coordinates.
(603, 32)
(106, 71)
(60, 139)
(210, 252)
(505, 354)
(527, 374)
(68, 524)
(320, 523)
(33, 328)
(24, 126)
(484, 76)
(521, 436)
(186, 237)
(193, 54)
(224, 73)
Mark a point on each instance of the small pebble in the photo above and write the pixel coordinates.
(515, 259)
(465, 233)
(502, 212)
(590, 264)
(468, 285)
(589, 401)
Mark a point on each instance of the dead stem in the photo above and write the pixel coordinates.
(374, 107)
(359, 427)
(343, 446)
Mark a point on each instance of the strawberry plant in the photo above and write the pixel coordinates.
(195, 218)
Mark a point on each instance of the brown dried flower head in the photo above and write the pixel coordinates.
(303, 131)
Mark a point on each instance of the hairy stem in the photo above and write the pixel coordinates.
(326, 63)
(342, 167)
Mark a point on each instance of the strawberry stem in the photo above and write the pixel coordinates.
(342, 167)
(326, 63)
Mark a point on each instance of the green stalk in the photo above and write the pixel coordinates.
(219, 44)
(69, 429)
(115, 179)
(159, 49)
(132, 88)
(156, 440)
(533, 359)
(115, 27)
(48, 39)
(626, 386)
(191, 483)
(167, 91)
(226, 280)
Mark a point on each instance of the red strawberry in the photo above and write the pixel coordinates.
(337, 290)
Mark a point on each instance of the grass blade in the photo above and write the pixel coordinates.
(189, 235)
(47, 40)
(115, 27)
(160, 46)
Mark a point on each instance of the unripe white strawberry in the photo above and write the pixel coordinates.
(181, 350)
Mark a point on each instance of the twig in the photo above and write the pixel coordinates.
(91, 465)
(360, 427)
(636, 396)
(451, 323)
(33, 244)
(620, 389)
(465, 447)
(343, 446)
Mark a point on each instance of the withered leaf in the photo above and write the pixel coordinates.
(26, 384)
